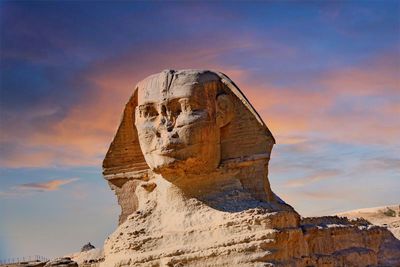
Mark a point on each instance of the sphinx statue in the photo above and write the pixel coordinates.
(189, 166)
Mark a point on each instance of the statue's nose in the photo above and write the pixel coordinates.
(168, 123)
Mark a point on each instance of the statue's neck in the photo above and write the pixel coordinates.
(221, 192)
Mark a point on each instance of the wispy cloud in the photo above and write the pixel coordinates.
(316, 177)
(362, 99)
(51, 185)
(292, 113)
(318, 195)
(379, 164)
(86, 127)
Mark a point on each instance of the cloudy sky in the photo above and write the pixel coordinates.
(323, 75)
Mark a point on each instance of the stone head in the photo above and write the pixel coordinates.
(183, 123)
(189, 127)
(178, 118)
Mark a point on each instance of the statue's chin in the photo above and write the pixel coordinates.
(169, 167)
(160, 163)
(177, 170)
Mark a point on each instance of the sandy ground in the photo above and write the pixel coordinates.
(388, 216)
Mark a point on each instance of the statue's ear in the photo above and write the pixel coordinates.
(224, 110)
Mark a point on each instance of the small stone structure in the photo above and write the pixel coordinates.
(189, 166)
(87, 247)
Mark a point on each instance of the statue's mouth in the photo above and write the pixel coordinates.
(167, 152)
(170, 149)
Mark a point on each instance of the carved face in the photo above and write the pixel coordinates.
(177, 127)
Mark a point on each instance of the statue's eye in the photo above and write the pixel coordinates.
(184, 105)
(148, 111)
(176, 109)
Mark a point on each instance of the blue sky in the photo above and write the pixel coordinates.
(323, 75)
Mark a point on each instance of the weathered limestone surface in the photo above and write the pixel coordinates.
(89, 258)
(387, 216)
(189, 166)
(61, 262)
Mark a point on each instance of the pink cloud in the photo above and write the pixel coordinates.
(301, 111)
(316, 177)
(82, 136)
(51, 185)
(29, 188)
(376, 76)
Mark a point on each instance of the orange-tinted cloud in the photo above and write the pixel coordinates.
(51, 185)
(316, 177)
(375, 76)
(356, 105)
(27, 188)
(82, 136)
